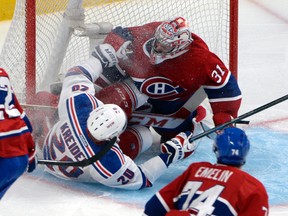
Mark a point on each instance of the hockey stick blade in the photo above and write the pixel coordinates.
(239, 119)
(84, 162)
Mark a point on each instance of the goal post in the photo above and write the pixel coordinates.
(233, 37)
(36, 56)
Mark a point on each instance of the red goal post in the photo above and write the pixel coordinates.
(66, 30)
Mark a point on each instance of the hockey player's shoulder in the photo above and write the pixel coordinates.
(254, 182)
(3, 72)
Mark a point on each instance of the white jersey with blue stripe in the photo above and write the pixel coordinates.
(68, 140)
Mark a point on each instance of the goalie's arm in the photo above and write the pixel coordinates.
(225, 100)
(103, 56)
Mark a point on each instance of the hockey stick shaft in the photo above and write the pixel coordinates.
(38, 107)
(239, 119)
(84, 162)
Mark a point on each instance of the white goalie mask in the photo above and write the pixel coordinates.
(171, 39)
(106, 122)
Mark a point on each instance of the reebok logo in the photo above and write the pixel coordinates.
(111, 55)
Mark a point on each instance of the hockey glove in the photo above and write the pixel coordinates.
(32, 163)
(203, 121)
(106, 54)
(178, 147)
(123, 51)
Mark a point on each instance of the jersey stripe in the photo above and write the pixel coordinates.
(78, 132)
(12, 133)
(119, 154)
(104, 171)
(73, 116)
(225, 99)
(94, 101)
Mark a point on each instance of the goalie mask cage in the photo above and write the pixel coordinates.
(65, 31)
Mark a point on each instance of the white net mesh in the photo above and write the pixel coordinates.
(60, 47)
(13, 55)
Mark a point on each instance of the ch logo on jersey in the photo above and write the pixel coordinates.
(160, 88)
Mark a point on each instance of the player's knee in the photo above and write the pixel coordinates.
(135, 140)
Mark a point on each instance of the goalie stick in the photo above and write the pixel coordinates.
(84, 162)
(239, 118)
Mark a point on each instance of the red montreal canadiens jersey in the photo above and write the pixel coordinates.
(207, 189)
(172, 82)
(15, 136)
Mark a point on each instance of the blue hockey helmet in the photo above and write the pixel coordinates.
(231, 146)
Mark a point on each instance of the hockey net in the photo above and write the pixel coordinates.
(66, 30)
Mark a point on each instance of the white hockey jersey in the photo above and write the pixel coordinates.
(68, 139)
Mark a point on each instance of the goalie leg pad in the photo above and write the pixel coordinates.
(135, 140)
(117, 94)
(124, 94)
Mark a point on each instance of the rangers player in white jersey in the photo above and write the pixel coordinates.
(86, 125)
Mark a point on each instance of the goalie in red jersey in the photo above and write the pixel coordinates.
(161, 68)
(214, 189)
(164, 65)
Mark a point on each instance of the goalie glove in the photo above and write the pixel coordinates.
(123, 51)
(106, 54)
(178, 148)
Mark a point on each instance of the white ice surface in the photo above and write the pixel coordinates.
(263, 75)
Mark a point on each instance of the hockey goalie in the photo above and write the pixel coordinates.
(161, 67)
